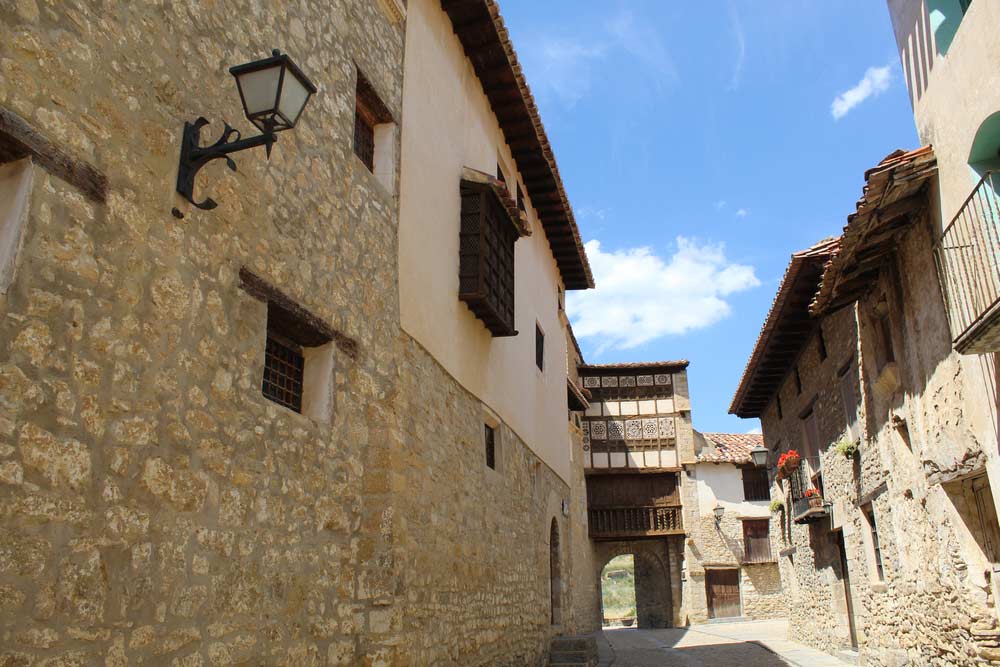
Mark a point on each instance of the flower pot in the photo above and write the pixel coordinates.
(815, 501)
(792, 464)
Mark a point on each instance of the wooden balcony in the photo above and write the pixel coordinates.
(614, 523)
(968, 263)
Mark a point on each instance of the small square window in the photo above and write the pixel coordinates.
(490, 439)
(284, 368)
(778, 406)
(369, 111)
(539, 348)
(798, 381)
(821, 343)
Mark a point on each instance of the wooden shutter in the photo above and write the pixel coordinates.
(756, 541)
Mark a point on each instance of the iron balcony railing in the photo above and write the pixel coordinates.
(968, 263)
(615, 522)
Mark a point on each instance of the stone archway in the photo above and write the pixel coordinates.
(654, 597)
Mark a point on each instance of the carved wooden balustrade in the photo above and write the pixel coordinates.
(630, 522)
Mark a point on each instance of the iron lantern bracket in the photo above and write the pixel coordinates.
(194, 156)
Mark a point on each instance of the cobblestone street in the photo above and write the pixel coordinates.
(745, 644)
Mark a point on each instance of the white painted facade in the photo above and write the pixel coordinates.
(721, 484)
(442, 133)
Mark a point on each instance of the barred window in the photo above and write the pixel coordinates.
(284, 367)
(490, 438)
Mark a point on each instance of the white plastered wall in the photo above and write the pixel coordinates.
(447, 124)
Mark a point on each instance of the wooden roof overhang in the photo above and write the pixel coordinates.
(577, 397)
(895, 193)
(784, 333)
(635, 367)
(481, 30)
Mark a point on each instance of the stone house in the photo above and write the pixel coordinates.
(731, 550)
(856, 369)
(296, 427)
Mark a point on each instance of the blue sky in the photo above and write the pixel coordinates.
(701, 144)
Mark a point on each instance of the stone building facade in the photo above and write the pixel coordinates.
(855, 369)
(155, 506)
(730, 562)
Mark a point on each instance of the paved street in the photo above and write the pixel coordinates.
(746, 644)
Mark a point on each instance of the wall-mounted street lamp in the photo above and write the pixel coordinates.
(274, 92)
(759, 456)
(718, 512)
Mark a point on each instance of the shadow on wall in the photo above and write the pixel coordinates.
(934, 22)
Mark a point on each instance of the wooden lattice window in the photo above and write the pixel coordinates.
(756, 541)
(486, 257)
(369, 111)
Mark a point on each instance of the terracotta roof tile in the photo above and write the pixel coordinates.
(730, 447)
(892, 194)
(791, 303)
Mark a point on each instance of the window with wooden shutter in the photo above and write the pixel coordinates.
(756, 541)
(486, 257)
(755, 484)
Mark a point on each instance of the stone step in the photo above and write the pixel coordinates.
(850, 656)
(571, 643)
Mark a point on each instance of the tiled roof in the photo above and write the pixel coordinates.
(679, 363)
(785, 329)
(892, 194)
(483, 35)
(730, 447)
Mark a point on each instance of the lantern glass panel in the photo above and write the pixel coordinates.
(293, 97)
(259, 89)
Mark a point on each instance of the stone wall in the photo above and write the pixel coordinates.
(658, 591)
(155, 507)
(935, 604)
(711, 544)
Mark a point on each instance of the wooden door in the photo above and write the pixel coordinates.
(723, 590)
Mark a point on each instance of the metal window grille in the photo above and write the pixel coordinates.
(490, 437)
(364, 138)
(283, 372)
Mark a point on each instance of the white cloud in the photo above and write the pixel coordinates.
(562, 67)
(755, 431)
(875, 82)
(643, 42)
(591, 212)
(641, 296)
(719, 205)
(742, 213)
(741, 47)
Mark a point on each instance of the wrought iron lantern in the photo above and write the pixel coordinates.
(718, 512)
(274, 91)
(759, 456)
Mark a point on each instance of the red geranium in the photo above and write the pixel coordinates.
(812, 493)
(790, 456)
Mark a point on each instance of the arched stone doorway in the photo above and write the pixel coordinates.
(654, 596)
(555, 576)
